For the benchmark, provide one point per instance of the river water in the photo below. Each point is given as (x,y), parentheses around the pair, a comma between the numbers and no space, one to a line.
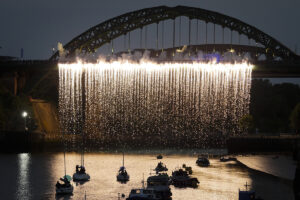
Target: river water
(33,176)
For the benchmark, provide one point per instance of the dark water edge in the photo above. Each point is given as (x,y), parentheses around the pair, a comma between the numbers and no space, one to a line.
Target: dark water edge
(24,142)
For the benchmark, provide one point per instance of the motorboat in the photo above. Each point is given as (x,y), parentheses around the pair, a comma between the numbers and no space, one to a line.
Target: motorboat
(161,167)
(80,174)
(64,186)
(188,169)
(122,175)
(202,161)
(144,194)
(180,178)
(227,159)
(160,178)
(248,194)
(160,183)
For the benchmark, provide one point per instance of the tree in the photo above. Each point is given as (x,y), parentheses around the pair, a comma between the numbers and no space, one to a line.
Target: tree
(295,118)
(247,123)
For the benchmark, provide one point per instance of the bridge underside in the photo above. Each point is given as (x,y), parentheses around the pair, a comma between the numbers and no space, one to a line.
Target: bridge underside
(191,52)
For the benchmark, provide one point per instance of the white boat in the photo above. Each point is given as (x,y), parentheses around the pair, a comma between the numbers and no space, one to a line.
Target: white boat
(80,174)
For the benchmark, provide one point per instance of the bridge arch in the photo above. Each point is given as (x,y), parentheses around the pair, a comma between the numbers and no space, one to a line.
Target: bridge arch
(106,31)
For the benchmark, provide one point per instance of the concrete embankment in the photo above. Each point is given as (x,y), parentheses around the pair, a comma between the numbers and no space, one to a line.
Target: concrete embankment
(280,166)
(46,117)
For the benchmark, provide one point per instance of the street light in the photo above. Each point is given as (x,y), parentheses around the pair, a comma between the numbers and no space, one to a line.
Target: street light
(24,115)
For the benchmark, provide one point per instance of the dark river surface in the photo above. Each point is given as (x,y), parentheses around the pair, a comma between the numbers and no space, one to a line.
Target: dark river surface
(33,176)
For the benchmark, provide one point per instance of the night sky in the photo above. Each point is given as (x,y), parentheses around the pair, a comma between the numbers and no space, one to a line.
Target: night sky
(37,25)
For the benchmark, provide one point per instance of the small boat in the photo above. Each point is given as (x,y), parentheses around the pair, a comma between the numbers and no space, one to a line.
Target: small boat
(202,161)
(159,179)
(180,178)
(159,156)
(63,186)
(80,174)
(144,194)
(122,175)
(227,159)
(248,195)
(161,167)
(160,183)
(188,169)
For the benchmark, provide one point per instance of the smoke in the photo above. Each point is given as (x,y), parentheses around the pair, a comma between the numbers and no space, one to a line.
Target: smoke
(179,55)
(61,50)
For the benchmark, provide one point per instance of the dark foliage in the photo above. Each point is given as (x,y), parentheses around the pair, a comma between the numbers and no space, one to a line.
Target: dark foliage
(271,105)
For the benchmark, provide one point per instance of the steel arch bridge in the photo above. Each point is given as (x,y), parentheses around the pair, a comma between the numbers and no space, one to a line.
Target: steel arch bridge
(105,32)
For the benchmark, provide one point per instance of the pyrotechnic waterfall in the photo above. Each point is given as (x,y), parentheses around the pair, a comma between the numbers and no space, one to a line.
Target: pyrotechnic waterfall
(157,104)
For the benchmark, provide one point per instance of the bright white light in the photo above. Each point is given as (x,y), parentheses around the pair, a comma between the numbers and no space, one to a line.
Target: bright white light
(24,114)
(152,66)
(215,93)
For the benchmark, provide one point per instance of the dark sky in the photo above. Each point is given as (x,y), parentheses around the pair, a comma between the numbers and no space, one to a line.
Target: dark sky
(37,25)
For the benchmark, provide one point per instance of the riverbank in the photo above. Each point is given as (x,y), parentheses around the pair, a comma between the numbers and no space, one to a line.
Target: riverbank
(262,143)
(281,166)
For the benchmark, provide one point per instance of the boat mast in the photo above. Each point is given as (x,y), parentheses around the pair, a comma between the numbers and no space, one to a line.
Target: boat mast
(65,161)
(123,158)
(143,182)
(83,92)
(64,143)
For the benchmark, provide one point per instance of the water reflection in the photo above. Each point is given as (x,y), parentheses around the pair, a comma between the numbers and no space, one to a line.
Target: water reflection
(23,184)
(33,176)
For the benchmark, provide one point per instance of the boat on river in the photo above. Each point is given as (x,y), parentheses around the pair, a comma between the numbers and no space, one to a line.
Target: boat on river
(64,186)
(161,167)
(160,183)
(80,174)
(181,178)
(227,159)
(122,175)
(202,161)
(144,194)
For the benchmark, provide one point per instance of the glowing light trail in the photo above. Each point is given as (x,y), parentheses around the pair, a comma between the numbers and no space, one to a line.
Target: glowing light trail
(155,103)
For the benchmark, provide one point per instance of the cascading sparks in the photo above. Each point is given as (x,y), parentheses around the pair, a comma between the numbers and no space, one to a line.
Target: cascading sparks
(186,104)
